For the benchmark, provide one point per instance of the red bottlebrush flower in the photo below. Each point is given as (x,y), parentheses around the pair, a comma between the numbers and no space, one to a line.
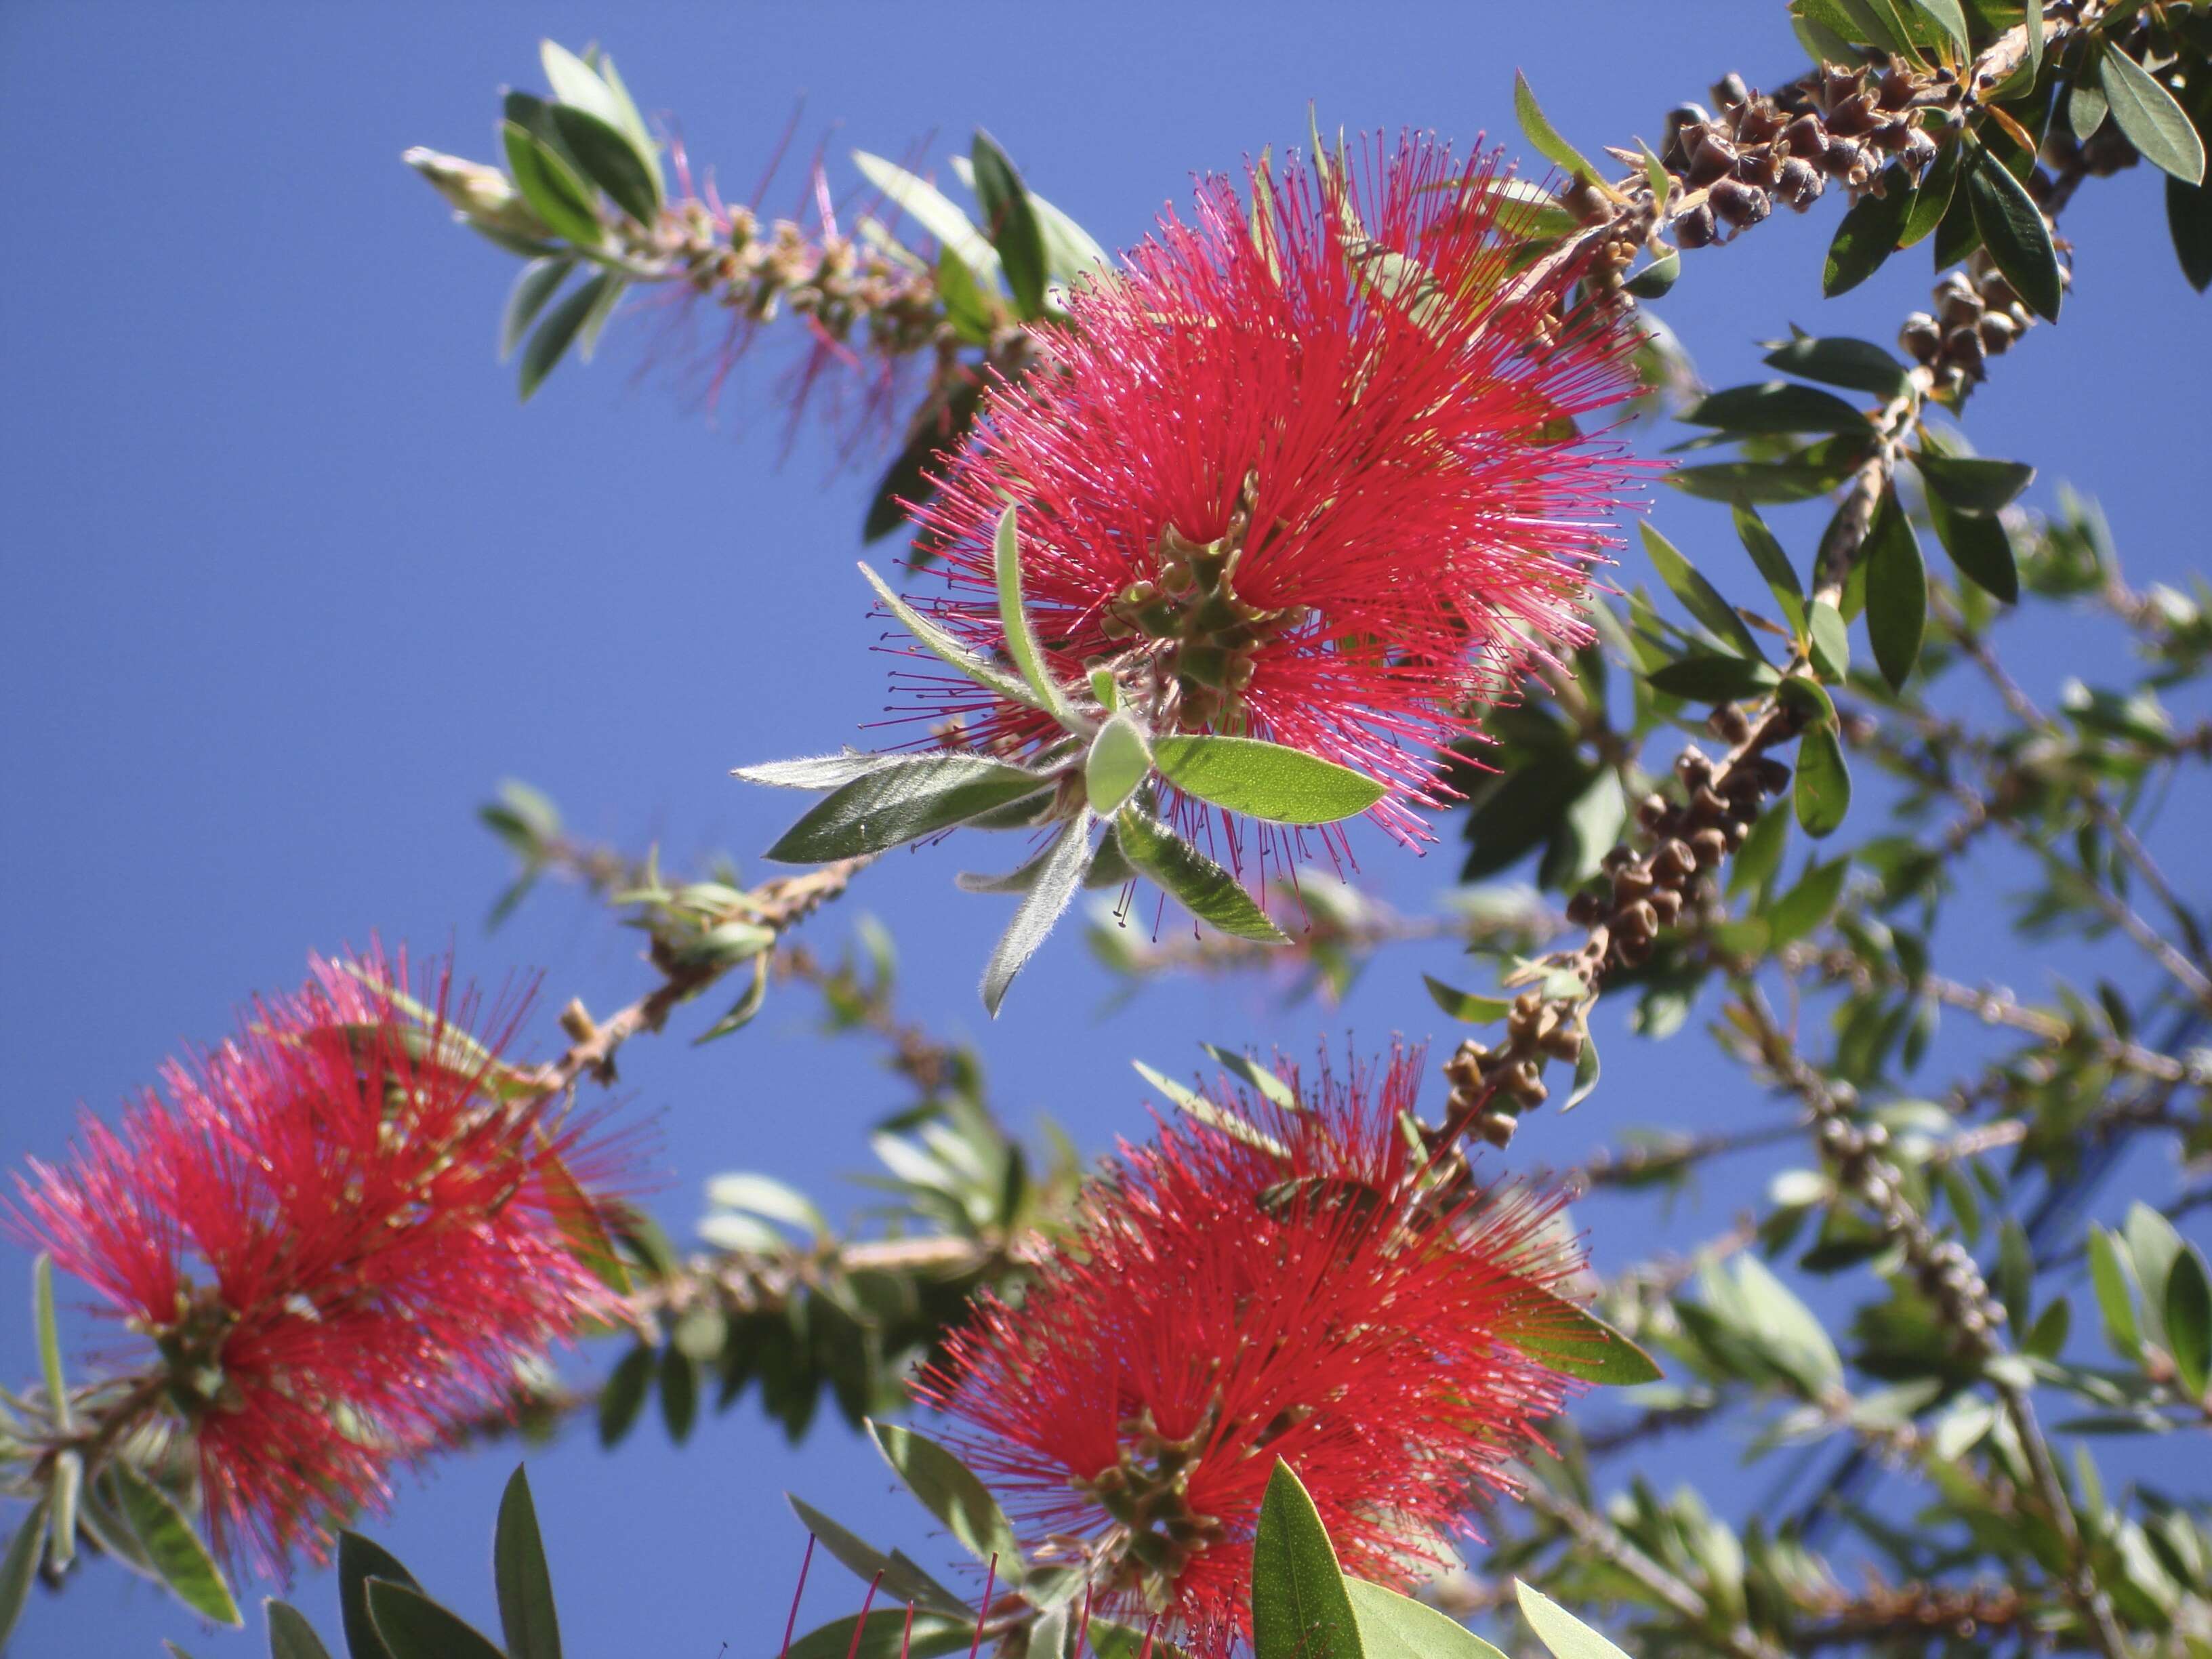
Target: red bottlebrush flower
(340,1238)
(1222,1303)
(1304,472)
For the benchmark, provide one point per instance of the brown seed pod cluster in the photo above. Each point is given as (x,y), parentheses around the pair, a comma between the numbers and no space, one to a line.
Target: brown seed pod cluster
(1977,317)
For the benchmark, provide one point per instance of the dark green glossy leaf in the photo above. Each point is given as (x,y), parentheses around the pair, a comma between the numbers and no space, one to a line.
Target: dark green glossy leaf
(900,1578)
(623,1396)
(552,338)
(2013,229)
(1194,880)
(2189,1321)
(1011,221)
(1760,856)
(1831,641)
(1699,597)
(2153,123)
(526,1617)
(1543,135)
(551,187)
(1395,1627)
(1059,876)
(1869,234)
(361,1559)
(1570,1338)
(172,1548)
(1776,406)
(1897,591)
(532,288)
(1972,482)
(1705,677)
(1463,1006)
(949,1490)
(2189,220)
(898,805)
(290,1635)
(19,1567)
(1979,545)
(1838,361)
(1823,791)
(679,1392)
(1932,200)
(1773,564)
(1300,1609)
(1792,478)
(413,1627)
(941,429)
(1269,781)
(611,162)
(1805,906)
(886,1637)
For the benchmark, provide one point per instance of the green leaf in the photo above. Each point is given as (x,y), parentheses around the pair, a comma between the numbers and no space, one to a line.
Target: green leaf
(949,650)
(1300,1607)
(1773,564)
(1463,1006)
(1013,614)
(1897,591)
(1809,903)
(360,1560)
(952,1493)
(2189,220)
(2114,1282)
(559,329)
(1979,545)
(537,285)
(623,1395)
(2013,229)
(1792,478)
(1950,17)
(1649,284)
(526,1617)
(576,82)
(1395,1627)
(1699,597)
(1972,482)
(2189,1321)
(1572,1339)
(934,210)
(172,1548)
(900,804)
(1119,759)
(1586,1073)
(1059,876)
(413,1627)
(1823,791)
(1776,406)
(1932,200)
(1543,135)
(886,1637)
(551,187)
(290,1635)
(1256,1076)
(1869,233)
(1566,1636)
(611,162)
(1011,221)
(679,1392)
(1838,361)
(50,1341)
(816,771)
(19,1567)
(1831,641)
(1707,677)
(901,1577)
(1194,880)
(2155,123)
(1267,781)
(1760,856)
(1070,251)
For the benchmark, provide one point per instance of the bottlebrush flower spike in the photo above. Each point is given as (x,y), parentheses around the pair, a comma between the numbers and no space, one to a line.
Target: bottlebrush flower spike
(339,1237)
(1306,472)
(1266,1283)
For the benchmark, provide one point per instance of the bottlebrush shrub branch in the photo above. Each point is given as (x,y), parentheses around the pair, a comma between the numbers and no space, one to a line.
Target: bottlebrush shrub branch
(1295,492)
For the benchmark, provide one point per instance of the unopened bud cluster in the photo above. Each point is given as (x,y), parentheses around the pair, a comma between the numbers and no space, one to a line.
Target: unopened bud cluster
(1638,894)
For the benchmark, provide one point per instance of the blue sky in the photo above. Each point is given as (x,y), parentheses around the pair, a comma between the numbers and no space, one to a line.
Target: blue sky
(292,582)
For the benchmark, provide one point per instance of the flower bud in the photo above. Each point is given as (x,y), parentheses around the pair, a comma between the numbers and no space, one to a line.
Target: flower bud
(481,194)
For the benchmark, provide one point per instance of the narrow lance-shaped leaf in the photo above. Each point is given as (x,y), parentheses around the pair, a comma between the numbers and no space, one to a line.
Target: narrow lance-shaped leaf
(1461,1004)
(900,804)
(1543,135)
(550,186)
(1839,361)
(553,337)
(526,1616)
(1572,1339)
(1897,591)
(942,645)
(50,1341)
(2153,123)
(1701,598)
(1011,223)
(1013,614)
(2014,230)
(2189,1321)
(361,1559)
(1766,553)
(1300,1609)
(18,1567)
(934,210)
(1869,234)
(1047,901)
(290,1635)
(1395,1627)
(174,1547)
(1979,545)
(1566,1636)
(611,162)
(413,1627)
(1267,781)
(532,288)
(1194,880)
(951,1491)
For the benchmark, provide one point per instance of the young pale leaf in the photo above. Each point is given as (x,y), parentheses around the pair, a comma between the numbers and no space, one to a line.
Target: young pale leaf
(1059,876)
(551,187)
(1013,614)
(17,1569)
(1573,1340)
(532,288)
(553,337)
(1119,759)
(1194,880)
(1462,1004)
(1829,640)
(1395,1627)
(1300,1607)
(1699,597)
(576,82)
(1543,135)
(2013,229)
(413,1627)
(1566,1636)
(526,1617)
(1979,545)
(2153,123)
(361,1560)
(891,807)
(2189,1321)
(1823,791)
(611,162)
(817,771)
(1267,781)
(1869,234)
(1009,220)
(1972,482)
(989,675)
(50,1341)
(934,210)
(2113,1279)
(1256,1076)
(290,1635)
(1897,591)
(174,1547)
(1837,360)
(1776,406)
(1205,1111)
(952,1493)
